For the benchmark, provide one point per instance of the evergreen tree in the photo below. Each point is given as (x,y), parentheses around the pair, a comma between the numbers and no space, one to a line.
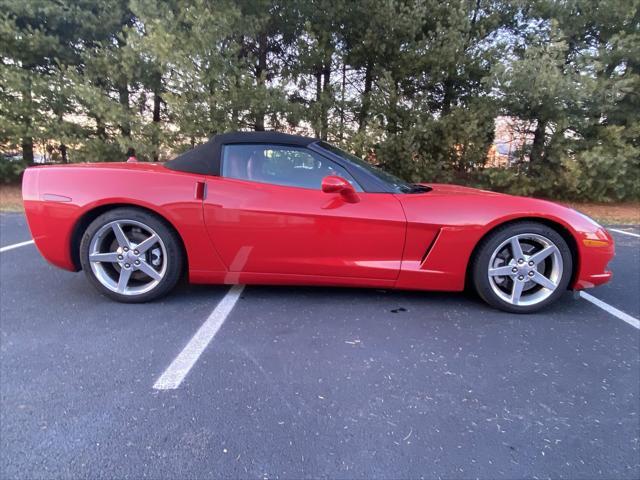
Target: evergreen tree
(414,85)
(36,37)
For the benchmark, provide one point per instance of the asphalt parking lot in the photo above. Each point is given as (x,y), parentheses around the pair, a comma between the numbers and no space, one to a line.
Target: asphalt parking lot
(314,382)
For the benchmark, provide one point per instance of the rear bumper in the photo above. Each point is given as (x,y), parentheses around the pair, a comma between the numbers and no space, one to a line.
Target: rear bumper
(50,222)
(51,227)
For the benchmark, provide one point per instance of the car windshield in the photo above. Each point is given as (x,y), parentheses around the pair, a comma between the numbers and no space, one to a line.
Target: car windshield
(397,184)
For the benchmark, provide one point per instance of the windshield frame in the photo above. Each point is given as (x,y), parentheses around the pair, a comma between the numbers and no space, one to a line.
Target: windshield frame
(386,182)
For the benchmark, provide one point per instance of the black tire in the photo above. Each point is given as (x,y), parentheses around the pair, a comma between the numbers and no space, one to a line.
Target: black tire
(487,247)
(174,257)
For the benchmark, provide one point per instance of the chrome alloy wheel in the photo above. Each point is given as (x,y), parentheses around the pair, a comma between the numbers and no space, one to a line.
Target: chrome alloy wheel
(525,269)
(128,257)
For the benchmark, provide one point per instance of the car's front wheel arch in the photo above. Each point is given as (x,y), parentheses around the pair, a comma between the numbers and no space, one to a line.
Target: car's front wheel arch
(558,227)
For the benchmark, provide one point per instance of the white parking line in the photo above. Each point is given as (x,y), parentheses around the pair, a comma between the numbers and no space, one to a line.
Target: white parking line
(634,322)
(186,359)
(623,232)
(15,245)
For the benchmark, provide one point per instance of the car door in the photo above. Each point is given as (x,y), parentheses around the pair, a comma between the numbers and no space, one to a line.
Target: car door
(266,213)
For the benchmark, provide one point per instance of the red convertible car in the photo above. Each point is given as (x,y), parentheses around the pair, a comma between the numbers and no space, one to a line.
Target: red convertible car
(270,208)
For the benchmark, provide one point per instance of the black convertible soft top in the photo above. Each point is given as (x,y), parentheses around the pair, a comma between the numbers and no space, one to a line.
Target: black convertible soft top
(205,159)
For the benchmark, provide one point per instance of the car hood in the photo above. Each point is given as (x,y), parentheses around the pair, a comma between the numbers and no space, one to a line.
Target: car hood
(457,190)
(455,205)
(475,199)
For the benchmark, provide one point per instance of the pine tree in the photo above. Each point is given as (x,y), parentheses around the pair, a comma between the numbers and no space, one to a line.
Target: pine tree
(36,37)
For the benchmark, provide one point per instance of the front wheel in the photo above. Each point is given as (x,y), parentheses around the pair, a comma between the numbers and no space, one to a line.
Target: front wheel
(522,267)
(131,255)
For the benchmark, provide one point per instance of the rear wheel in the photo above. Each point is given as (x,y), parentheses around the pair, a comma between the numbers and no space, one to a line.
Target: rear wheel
(131,255)
(522,267)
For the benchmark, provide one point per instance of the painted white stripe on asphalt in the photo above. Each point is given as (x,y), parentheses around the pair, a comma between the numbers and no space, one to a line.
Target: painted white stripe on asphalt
(634,322)
(180,367)
(622,231)
(15,245)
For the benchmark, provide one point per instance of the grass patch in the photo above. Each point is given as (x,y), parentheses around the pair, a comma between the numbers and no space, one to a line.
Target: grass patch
(11,198)
(611,213)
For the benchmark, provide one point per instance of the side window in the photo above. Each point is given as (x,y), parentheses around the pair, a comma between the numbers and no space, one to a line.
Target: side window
(280,165)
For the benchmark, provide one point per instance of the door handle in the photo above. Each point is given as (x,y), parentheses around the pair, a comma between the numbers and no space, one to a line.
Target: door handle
(201,191)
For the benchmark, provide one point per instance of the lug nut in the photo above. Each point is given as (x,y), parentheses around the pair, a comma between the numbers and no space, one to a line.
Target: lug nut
(137,262)
(127,265)
(120,257)
(514,270)
(521,260)
(136,252)
(126,249)
(531,264)
(531,274)
(521,277)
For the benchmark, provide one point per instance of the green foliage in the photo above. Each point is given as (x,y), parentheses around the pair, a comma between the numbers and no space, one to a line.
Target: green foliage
(11,171)
(98,150)
(610,170)
(415,85)
(575,77)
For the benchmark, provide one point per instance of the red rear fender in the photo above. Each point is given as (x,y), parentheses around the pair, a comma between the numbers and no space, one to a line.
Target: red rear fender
(61,201)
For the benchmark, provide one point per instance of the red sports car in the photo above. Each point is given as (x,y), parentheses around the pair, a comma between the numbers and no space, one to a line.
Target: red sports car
(270,208)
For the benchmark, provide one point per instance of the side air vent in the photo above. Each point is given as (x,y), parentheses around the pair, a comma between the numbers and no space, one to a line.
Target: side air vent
(430,246)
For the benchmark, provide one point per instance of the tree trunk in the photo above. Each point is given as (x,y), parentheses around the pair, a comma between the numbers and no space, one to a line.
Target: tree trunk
(101,129)
(344,84)
(365,102)
(392,125)
(259,125)
(448,95)
(63,153)
(261,71)
(537,147)
(123,95)
(27,140)
(324,105)
(27,149)
(235,113)
(318,74)
(157,99)
(213,112)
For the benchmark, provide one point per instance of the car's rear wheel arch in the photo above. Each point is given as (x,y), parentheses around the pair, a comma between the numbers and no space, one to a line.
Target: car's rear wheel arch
(559,228)
(83,223)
